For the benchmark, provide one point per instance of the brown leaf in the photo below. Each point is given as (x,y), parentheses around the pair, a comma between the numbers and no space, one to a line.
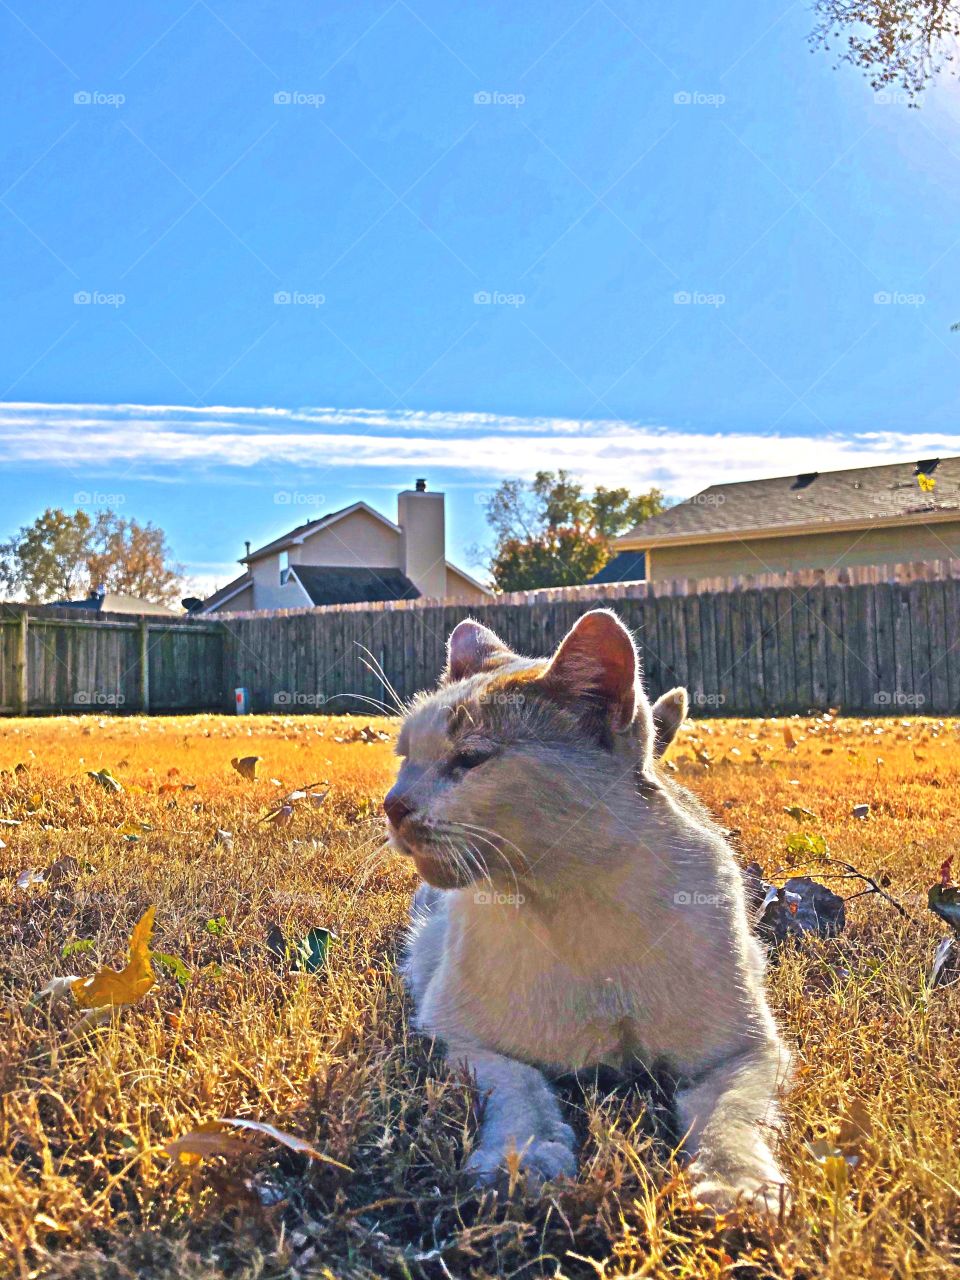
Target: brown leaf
(247,766)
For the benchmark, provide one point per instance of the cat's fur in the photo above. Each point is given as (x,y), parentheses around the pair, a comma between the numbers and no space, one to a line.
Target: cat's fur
(580,909)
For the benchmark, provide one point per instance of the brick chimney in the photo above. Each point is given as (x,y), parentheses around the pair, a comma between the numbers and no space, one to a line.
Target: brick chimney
(422,522)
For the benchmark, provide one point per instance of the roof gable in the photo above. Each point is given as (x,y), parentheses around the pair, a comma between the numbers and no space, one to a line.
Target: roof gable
(304,531)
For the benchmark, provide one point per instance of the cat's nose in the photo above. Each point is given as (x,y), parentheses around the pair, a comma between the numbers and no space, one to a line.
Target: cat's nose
(396,807)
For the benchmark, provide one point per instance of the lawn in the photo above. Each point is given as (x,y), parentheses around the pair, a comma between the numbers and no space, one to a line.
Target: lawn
(249,1017)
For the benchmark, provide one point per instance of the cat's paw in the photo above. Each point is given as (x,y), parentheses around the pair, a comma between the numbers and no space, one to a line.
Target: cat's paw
(541,1160)
(749,1195)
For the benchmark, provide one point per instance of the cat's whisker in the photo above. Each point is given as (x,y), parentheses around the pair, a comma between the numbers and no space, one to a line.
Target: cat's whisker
(489,831)
(376,667)
(378,705)
(503,856)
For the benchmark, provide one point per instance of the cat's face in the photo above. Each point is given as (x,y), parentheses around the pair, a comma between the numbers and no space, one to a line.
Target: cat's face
(508,768)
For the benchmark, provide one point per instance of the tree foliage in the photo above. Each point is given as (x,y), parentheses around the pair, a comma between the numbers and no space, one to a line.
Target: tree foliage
(549,533)
(894,42)
(64,555)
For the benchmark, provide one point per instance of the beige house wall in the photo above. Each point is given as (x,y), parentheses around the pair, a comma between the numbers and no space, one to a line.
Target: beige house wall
(357,539)
(904,545)
(461,588)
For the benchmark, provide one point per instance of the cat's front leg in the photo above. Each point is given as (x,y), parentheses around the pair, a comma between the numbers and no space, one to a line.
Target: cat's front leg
(725,1113)
(521,1114)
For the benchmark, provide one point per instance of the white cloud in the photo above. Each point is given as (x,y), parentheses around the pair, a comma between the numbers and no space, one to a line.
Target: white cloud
(149,439)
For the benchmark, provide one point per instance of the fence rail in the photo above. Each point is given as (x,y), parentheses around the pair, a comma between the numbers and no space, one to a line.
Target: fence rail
(770,646)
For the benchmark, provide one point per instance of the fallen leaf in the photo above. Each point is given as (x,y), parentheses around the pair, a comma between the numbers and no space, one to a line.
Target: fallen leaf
(798,812)
(280,816)
(62,869)
(287,1139)
(209,1139)
(856,1127)
(129,985)
(75,948)
(310,955)
(215,1138)
(174,966)
(105,778)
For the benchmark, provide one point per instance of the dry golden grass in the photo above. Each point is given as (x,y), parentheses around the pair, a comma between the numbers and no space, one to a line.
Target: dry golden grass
(86,1192)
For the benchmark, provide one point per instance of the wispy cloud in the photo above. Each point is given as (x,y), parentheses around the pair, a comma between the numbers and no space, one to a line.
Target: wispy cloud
(153,440)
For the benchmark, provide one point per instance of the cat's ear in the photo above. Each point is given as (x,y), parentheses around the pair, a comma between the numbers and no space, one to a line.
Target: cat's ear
(597,660)
(472,647)
(669,712)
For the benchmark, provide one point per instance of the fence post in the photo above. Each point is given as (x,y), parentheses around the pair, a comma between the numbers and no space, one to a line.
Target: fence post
(20,668)
(144,665)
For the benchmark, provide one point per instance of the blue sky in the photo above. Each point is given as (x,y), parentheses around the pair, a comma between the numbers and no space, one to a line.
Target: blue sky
(655,244)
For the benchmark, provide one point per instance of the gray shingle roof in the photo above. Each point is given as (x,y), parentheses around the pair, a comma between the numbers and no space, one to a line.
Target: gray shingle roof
(830,497)
(331,584)
(627,566)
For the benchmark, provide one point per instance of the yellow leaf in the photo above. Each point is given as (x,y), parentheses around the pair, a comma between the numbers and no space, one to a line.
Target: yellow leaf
(216,1138)
(279,816)
(836,1174)
(247,766)
(926,483)
(209,1139)
(130,984)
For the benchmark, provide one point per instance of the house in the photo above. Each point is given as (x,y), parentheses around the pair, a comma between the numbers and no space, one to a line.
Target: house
(101,601)
(352,555)
(900,513)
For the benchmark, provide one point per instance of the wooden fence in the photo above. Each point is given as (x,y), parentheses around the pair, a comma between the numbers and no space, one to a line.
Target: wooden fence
(866,642)
(808,640)
(63,660)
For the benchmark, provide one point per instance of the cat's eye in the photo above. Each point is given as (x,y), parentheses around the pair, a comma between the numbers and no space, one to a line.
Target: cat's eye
(470,757)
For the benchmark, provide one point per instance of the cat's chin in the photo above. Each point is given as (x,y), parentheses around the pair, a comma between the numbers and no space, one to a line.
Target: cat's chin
(440,874)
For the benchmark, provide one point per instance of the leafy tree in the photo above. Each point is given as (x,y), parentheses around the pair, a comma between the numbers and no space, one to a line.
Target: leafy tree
(63,555)
(132,559)
(549,533)
(47,560)
(903,42)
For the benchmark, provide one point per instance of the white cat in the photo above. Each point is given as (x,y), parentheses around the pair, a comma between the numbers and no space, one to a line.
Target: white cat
(580,908)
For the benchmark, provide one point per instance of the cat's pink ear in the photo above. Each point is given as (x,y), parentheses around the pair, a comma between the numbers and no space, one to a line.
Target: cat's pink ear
(472,647)
(597,660)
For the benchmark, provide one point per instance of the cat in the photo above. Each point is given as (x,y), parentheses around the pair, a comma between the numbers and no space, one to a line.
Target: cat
(579,909)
